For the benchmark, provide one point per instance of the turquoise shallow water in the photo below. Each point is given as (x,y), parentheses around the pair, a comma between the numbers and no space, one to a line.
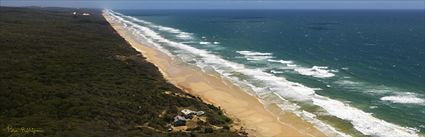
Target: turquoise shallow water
(360,72)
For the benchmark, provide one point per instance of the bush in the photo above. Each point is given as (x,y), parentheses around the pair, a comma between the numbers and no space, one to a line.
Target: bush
(60,73)
(208,130)
(226,127)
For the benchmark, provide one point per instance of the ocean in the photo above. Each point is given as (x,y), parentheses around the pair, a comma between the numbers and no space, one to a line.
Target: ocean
(349,72)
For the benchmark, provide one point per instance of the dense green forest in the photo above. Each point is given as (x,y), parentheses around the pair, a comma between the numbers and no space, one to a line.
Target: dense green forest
(68,75)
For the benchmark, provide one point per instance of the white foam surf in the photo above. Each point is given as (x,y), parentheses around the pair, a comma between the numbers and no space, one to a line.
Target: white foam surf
(204,43)
(406,98)
(184,36)
(253,53)
(315,71)
(263,83)
(276,72)
(388,94)
(362,121)
(179,34)
(281,61)
(258,57)
(255,56)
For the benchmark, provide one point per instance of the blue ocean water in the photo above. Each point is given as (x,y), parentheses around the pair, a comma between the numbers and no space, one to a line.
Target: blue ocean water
(352,72)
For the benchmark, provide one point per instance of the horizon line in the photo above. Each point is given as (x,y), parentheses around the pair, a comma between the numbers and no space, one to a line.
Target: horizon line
(218,8)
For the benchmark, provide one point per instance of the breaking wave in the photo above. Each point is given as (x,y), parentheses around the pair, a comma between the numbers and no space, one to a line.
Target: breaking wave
(315,71)
(408,98)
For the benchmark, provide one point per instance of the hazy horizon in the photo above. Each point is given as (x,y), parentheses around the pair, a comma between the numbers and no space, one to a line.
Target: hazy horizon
(224,4)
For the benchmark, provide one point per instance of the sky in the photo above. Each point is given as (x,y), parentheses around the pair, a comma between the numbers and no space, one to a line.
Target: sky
(223,4)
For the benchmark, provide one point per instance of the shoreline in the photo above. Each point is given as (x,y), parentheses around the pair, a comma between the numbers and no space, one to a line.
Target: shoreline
(246,110)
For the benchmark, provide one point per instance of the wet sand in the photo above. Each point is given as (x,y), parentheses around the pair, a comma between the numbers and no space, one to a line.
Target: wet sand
(244,109)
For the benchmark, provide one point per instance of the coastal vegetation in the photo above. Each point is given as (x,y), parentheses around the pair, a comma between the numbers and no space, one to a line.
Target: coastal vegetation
(71,75)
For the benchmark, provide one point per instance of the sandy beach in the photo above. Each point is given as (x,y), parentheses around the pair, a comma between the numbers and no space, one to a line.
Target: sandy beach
(245,109)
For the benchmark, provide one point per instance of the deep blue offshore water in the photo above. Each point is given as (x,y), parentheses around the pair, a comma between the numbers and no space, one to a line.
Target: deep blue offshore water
(364,68)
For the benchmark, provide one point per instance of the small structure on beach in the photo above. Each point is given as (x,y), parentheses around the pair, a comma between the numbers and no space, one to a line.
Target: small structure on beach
(179,121)
(179,117)
(187,114)
(186,111)
(200,113)
(190,112)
